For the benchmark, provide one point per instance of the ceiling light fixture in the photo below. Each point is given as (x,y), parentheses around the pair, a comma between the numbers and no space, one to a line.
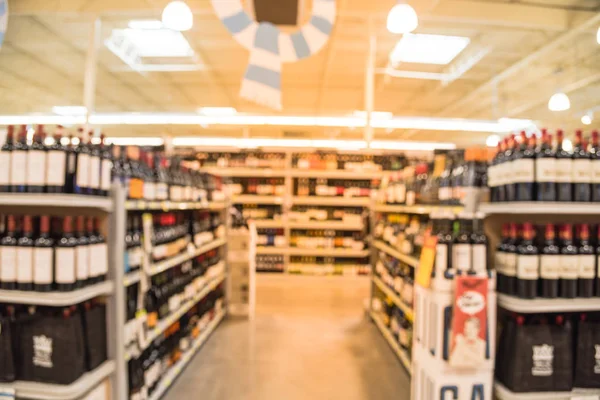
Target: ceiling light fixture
(428,49)
(559,102)
(492,141)
(402,18)
(217,111)
(587,119)
(70,110)
(178,16)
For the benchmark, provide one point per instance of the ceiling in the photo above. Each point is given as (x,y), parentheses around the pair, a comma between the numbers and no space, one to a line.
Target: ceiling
(532,48)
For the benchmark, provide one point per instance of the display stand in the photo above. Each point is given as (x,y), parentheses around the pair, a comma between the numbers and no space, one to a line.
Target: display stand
(241,256)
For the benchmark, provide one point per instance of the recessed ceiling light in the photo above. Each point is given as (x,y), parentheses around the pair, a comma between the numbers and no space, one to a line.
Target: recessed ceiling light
(217,111)
(178,16)
(70,110)
(559,102)
(428,49)
(587,119)
(145,24)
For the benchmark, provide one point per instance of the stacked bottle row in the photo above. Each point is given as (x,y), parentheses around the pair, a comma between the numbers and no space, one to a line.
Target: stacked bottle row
(397,276)
(270,237)
(334,161)
(395,320)
(259,211)
(332,187)
(269,263)
(402,232)
(43,253)
(327,239)
(243,159)
(329,266)
(523,170)
(256,186)
(350,215)
(533,261)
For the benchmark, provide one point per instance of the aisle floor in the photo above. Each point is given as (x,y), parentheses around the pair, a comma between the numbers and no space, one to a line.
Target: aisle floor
(310,339)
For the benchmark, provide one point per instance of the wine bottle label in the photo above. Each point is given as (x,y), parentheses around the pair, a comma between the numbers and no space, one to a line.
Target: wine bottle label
(82,258)
(582,171)
(64,265)
(509,172)
(445,193)
(149,190)
(25,264)
(8,264)
(36,167)
(480,257)
(491,176)
(83,171)
(524,170)
(55,173)
(162,191)
(510,264)
(42,265)
(596,171)
(106,174)
(549,266)
(410,198)
(4,168)
(587,266)
(545,170)
(499,172)
(441,258)
(461,257)
(400,193)
(569,266)
(564,170)
(94,180)
(499,262)
(18,167)
(528,266)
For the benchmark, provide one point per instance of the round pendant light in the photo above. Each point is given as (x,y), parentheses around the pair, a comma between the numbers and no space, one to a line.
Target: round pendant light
(559,102)
(177,16)
(587,119)
(402,19)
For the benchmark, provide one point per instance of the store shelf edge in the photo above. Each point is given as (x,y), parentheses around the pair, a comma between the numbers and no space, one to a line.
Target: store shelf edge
(181,258)
(413,262)
(530,306)
(392,342)
(142,205)
(56,299)
(566,208)
(419,209)
(502,393)
(55,200)
(395,298)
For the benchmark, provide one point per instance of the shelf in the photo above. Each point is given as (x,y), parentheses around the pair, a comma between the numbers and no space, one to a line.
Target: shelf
(404,359)
(131,278)
(74,391)
(56,299)
(55,200)
(335,174)
(347,253)
(248,172)
(332,201)
(172,374)
(539,207)
(271,250)
(425,210)
(532,306)
(216,205)
(407,310)
(181,258)
(269,223)
(255,199)
(330,225)
(413,262)
(165,205)
(502,393)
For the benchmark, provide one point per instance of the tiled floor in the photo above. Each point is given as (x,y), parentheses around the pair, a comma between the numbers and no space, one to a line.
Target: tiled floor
(310,340)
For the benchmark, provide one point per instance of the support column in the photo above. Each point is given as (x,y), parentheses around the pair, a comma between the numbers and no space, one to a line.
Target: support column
(370,83)
(91,61)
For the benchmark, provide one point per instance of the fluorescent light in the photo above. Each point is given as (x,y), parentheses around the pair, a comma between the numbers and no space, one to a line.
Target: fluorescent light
(492,141)
(217,111)
(178,16)
(426,146)
(587,119)
(559,102)
(402,18)
(428,49)
(135,141)
(145,24)
(157,42)
(70,110)
(374,114)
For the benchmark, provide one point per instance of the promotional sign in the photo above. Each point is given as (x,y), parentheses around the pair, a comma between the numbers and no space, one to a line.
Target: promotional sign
(468,344)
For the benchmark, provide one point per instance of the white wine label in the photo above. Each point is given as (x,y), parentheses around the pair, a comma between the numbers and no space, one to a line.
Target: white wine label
(149,190)
(596,171)
(25,263)
(528,267)
(524,170)
(8,264)
(4,168)
(103,257)
(106,174)
(461,257)
(94,180)
(491,176)
(55,172)
(564,170)
(162,191)
(36,167)
(479,257)
(499,262)
(510,264)
(500,173)
(549,266)
(569,266)
(582,171)
(64,265)
(509,172)
(400,193)
(42,265)
(545,170)
(18,167)
(83,262)
(587,266)
(441,258)
(445,193)
(83,170)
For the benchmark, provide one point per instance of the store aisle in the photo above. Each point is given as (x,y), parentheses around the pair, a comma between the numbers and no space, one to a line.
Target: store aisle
(310,340)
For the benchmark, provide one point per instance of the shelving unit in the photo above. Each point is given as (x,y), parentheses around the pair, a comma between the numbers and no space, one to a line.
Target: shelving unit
(539,207)
(402,209)
(56,201)
(57,299)
(409,260)
(330,225)
(395,298)
(502,393)
(401,353)
(337,201)
(256,199)
(532,306)
(181,258)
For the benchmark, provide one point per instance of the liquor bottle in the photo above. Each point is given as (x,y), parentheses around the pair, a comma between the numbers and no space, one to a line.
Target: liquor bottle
(479,245)
(568,264)
(64,257)
(528,264)
(5,160)
(36,163)
(526,169)
(510,261)
(587,263)
(595,156)
(461,244)
(582,170)
(43,258)
(71,167)
(549,264)
(82,254)
(106,166)
(18,164)
(25,256)
(56,165)
(8,255)
(95,165)
(499,259)
(82,170)
(564,170)
(509,171)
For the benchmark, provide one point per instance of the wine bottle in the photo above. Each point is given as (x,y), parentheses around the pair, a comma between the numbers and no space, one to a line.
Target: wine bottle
(598,262)
(568,264)
(18,164)
(162,179)
(500,259)
(582,170)
(461,245)
(549,264)
(149,178)
(71,168)
(25,256)
(5,160)
(57,164)
(595,156)
(82,254)
(8,255)
(82,172)
(527,264)
(545,169)
(479,245)
(492,173)
(36,163)
(526,169)
(564,170)
(510,261)
(98,251)
(95,165)
(106,167)
(443,261)
(43,258)
(64,257)
(586,255)
(510,155)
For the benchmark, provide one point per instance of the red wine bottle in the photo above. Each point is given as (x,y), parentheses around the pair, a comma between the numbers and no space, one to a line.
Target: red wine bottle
(82,170)
(25,256)
(36,163)
(57,164)
(582,170)
(510,263)
(102,251)
(500,173)
(549,264)
(64,257)
(587,263)
(526,169)
(106,167)
(568,264)
(18,164)
(71,168)
(598,262)
(95,164)
(528,264)
(510,155)
(5,160)
(499,259)
(479,245)
(564,170)
(461,245)
(595,156)
(43,258)
(82,254)
(8,255)
(545,169)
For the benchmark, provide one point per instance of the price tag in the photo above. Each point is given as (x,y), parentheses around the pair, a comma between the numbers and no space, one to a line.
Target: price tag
(426,262)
